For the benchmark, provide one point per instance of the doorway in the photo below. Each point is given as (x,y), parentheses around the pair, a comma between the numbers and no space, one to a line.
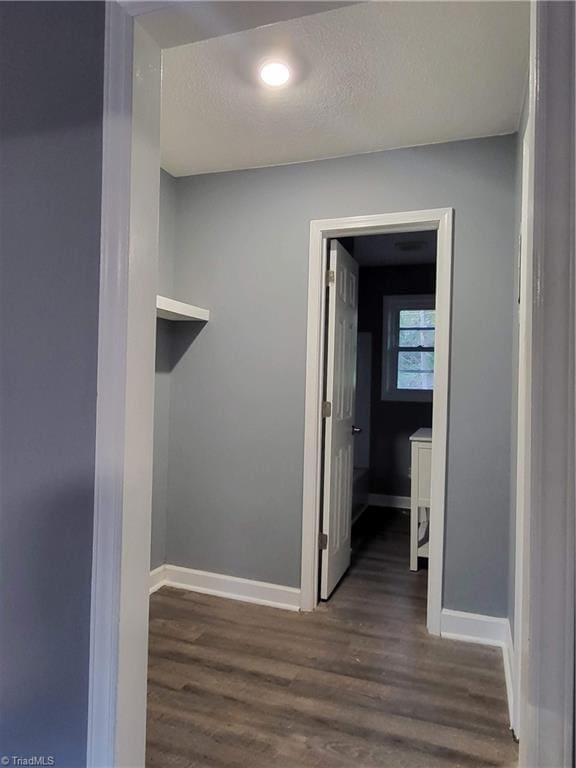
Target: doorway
(379,378)
(329,423)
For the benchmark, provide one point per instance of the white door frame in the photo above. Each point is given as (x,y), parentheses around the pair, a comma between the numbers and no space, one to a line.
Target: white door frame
(546,650)
(524,391)
(523,437)
(116,729)
(440,220)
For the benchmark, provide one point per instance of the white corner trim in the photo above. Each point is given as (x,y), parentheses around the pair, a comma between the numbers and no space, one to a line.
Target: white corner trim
(141,7)
(473,627)
(484,630)
(105,611)
(231,587)
(510,674)
(157,578)
(384,500)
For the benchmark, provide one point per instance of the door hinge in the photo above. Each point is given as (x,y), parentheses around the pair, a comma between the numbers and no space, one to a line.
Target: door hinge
(322,541)
(330,277)
(326,409)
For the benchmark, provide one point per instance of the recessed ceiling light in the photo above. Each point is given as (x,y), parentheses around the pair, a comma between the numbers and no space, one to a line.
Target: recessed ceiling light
(275,74)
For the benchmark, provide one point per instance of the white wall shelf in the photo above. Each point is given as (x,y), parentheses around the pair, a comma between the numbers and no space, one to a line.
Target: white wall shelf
(170,309)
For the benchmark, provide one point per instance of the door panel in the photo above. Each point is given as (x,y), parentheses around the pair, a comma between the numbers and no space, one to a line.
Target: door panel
(338,438)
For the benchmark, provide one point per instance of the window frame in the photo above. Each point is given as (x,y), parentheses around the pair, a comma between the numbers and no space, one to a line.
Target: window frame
(392,305)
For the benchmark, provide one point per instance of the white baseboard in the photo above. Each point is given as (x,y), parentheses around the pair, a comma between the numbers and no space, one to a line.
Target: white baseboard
(384,500)
(157,578)
(509,671)
(485,630)
(231,587)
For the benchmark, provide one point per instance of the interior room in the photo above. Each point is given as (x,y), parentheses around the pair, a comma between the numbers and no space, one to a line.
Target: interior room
(203,561)
(394,382)
(256,581)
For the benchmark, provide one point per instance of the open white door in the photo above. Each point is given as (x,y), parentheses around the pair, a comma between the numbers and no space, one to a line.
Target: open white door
(339,425)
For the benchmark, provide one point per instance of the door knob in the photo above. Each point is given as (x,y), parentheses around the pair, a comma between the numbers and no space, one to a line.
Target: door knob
(356,430)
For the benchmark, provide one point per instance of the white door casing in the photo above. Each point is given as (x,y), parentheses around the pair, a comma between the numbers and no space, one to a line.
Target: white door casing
(338,434)
(125,426)
(321,232)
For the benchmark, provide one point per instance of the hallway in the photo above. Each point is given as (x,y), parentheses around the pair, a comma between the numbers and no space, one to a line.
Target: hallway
(357,683)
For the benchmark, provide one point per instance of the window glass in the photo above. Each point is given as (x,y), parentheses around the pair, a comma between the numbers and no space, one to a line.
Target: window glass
(415,370)
(416,338)
(415,381)
(408,353)
(417,318)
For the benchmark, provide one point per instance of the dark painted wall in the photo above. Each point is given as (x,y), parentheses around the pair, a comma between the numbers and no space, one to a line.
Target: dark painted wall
(51,78)
(392,422)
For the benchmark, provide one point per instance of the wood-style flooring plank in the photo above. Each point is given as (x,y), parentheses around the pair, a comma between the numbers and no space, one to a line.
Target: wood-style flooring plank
(358,683)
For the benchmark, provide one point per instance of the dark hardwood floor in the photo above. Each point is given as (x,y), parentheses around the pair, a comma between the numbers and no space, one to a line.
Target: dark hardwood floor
(359,683)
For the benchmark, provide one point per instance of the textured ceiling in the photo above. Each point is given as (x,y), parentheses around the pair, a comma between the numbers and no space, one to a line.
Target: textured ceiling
(367,77)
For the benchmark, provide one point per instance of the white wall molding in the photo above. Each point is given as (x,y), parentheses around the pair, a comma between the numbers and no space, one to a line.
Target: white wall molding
(138,441)
(548,573)
(524,386)
(484,630)
(105,619)
(231,587)
(141,7)
(158,578)
(508,655)
(385,500)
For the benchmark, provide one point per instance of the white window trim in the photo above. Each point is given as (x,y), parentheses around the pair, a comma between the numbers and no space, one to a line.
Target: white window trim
(390,306)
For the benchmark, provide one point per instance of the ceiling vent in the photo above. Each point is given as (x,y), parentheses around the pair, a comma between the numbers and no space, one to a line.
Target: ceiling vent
(409,246)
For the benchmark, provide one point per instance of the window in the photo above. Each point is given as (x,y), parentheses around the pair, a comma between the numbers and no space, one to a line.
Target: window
(408,348)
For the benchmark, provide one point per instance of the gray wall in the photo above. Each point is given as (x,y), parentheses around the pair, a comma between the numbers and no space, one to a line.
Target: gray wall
(168,203)
(237,416)
(51,63)
(161,442)
(167,234)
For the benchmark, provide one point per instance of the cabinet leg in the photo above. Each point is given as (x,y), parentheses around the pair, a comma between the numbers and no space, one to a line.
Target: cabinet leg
(413,537)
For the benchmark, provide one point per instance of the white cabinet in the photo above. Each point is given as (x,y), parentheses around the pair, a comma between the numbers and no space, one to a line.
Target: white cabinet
(421,452)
